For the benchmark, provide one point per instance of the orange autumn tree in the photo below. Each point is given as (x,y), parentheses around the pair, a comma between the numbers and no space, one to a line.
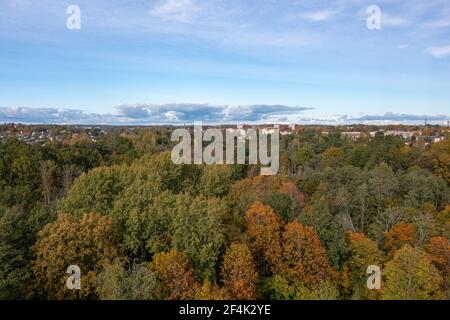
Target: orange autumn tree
(176,275)
(303,257)
(399,235)
(439,250)
(244,193)
(290,189)
(263,228)
(239,273)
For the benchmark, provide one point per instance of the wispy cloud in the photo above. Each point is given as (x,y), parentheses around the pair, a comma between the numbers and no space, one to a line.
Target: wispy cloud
(439,52)
(443,21)
(176,10)
(321,15)
(400,117)
(388,20)
(52,116)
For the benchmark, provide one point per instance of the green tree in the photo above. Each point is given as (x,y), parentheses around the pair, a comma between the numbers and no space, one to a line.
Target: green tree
(332,157)
(383,185)
(359,155)
(14,269)
(216,180)
(283,205)
(95,191)
(198,231)
(330,230)
(421,186)
(138,283)
(303,155)
(132,210)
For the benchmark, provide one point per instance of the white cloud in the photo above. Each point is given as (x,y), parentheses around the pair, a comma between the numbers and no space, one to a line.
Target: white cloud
(322,15)
(170,113)
(388,20)
(176,10)
(53,115)
(442,22)
(135,111)
(179,113)
(411,118)
(439,52)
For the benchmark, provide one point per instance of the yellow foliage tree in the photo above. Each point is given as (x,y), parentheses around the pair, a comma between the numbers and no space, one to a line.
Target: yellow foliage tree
(239,273)
(410,275)
(176,275)
(89,242)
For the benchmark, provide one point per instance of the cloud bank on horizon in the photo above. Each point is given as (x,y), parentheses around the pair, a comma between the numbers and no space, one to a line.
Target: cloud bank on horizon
(185,113)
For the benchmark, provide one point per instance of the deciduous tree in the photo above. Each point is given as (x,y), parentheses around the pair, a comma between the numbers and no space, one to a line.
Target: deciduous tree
(216,180)
(239,274)
(263,228)
(364,252)
(398,236)
(410,275)
(176,275)
(330,230)
(439,250)
(89,242)
(303,256)
(139,283)
(198,231)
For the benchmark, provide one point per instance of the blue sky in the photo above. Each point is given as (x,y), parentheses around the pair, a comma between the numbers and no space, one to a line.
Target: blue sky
(224,60)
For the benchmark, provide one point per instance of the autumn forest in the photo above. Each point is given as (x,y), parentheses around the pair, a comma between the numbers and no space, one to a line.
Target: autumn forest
(140,227)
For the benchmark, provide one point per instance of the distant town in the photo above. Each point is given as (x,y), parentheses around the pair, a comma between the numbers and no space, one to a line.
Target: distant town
(42,134)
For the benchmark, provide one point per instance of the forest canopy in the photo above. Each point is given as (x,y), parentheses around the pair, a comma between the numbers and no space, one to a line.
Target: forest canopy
(141,227)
